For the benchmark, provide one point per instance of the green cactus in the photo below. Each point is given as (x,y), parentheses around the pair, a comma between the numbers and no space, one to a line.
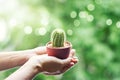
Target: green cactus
(58,38)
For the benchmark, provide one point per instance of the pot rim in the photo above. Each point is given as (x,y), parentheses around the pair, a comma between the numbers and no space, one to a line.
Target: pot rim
(69,45)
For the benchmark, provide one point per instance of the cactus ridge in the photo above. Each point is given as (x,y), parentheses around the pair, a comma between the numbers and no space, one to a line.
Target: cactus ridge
(58,38)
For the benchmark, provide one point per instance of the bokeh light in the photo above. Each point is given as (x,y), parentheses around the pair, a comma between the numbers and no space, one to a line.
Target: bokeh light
(3,30)
(76,22)
(90,18)
(28,29)
(42,31)
(73,14)
(118,24)
(91,7)
(109,21)
(83,14)
(13,22)
(69,32)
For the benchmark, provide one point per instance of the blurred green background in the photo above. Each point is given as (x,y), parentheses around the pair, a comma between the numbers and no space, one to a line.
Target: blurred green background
(92,26)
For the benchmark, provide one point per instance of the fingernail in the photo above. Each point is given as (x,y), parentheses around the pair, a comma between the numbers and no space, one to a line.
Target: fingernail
(75,60)
(72,63)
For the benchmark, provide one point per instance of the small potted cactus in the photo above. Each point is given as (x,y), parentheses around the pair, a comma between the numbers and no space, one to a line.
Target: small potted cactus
(58,46)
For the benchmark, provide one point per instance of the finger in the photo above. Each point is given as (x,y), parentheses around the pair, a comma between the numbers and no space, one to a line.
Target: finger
(66,61)
(72,63)
(67,67)
(75,59)
(72,53)
(69,60)
(40,50)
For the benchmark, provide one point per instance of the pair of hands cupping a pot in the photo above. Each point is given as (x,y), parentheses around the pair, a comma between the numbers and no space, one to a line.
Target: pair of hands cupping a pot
(37,61)
(60,48)
(56,58)
(51,65)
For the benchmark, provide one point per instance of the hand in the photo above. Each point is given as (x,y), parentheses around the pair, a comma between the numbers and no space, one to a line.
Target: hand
(40,50)
(34,52)
(51,65)
(43,64)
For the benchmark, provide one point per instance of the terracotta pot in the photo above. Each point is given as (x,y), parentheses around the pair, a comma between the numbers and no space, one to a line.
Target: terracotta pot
(59,52)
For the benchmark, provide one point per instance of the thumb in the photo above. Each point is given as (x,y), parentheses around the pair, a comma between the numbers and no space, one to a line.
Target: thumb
(40,50)
(72,53)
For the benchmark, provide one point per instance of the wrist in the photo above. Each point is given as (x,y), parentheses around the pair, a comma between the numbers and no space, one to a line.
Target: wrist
(30,53)
(25,56)
(26,72)
(35,64)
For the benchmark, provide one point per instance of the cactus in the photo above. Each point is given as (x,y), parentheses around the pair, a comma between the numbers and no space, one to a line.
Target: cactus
(58,38)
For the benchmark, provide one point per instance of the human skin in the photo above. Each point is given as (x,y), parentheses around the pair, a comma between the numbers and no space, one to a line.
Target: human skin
(17,58)
(34,61)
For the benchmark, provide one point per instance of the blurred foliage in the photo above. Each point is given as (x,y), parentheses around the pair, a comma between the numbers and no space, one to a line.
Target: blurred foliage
(92,26)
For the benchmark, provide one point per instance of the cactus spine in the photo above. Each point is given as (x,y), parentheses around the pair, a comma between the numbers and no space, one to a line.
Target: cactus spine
(58,38)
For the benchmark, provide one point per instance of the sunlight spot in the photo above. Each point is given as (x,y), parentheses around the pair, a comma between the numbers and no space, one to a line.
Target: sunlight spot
(76,22)
(12,22)
(42,31)
(108,21)
(90,18)
(28,30)
(69,32)
(73,14)
(3,30)
(91,7)
(118,24)
(83,14)
(44,21)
